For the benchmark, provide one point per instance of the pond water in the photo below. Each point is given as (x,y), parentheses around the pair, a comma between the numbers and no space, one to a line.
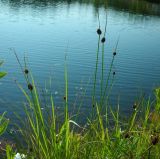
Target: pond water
(48,31)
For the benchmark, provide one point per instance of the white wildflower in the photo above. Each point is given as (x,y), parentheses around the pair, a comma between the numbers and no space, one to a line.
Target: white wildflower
(19,156)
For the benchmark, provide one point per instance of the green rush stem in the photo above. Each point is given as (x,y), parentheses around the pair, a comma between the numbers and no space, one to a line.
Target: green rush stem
(149,152)
(80,105)
(95,74)
(102,76)
(107,81)
(109,92)
(25,76)
(95,78)
(66,110)
(66,84)
(32,94)
(66,87)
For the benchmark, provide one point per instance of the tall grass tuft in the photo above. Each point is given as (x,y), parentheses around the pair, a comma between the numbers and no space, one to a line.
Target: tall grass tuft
(106,136)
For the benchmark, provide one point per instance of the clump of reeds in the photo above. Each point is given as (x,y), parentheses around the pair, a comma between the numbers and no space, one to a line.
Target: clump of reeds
(104,136)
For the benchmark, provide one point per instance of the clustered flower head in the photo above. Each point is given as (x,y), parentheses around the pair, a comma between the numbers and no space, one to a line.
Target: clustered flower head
(154,139)
(30,87)
(134,105)
(19,156)
(26,71)
(114,53)
(99,32)
(103,39)
(126,136)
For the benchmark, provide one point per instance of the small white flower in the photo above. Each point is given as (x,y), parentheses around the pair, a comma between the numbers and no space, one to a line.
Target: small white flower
(121,131)
(19,156)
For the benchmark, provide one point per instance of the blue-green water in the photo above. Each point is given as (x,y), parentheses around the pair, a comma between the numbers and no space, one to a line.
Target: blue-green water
(45,31)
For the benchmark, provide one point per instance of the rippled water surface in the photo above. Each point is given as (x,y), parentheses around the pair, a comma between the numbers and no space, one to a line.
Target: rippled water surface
(48,31)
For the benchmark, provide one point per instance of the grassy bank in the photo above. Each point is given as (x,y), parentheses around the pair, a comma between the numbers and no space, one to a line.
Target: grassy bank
(105,135)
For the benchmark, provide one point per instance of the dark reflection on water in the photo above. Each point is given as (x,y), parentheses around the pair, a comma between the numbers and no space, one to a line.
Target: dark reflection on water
(144,7)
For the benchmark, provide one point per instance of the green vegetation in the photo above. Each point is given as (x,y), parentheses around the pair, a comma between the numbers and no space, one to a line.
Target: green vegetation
(2,74)
(106,134)
(144,7)
(3,121)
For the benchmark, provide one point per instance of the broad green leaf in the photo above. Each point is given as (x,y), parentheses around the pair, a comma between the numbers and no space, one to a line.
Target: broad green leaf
(2,117)
(2,74)
(3,124)
(9,152)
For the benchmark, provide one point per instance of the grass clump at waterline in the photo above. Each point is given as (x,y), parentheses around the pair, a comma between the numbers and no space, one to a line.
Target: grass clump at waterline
(104,136)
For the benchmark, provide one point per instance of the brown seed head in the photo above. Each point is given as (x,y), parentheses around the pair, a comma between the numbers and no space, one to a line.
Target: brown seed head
(99,32)
(26,71)
(64,97)
(154,140)
(134,106)
(114,54)
(30,150)
(103,39)
(126,135)
(30,87)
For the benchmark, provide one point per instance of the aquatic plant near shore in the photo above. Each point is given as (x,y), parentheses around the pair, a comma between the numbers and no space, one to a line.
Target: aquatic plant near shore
(2,74)
(105,135)
(3,121)
(46,136)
